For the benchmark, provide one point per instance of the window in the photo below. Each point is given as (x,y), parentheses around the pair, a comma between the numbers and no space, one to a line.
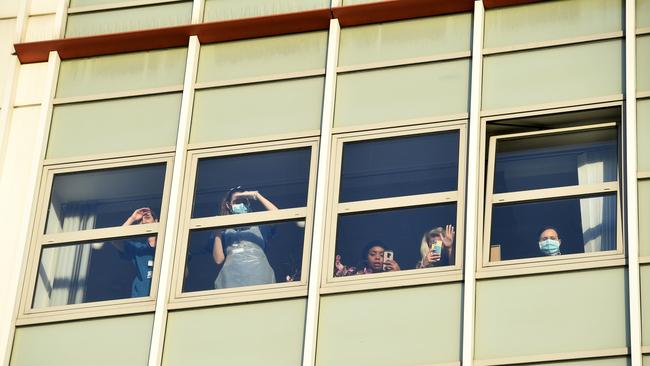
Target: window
(399,206)
(97,237)
(248,227)
(552,192)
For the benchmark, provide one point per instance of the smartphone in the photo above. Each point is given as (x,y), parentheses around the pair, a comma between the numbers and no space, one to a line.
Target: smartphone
(436,247)
(388,256)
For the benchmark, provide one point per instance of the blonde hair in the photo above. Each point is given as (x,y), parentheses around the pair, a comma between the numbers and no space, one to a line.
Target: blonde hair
(425,246)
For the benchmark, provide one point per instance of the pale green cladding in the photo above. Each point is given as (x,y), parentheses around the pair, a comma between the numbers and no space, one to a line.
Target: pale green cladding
(81,3)
(114,341)
(643,135)
(128,19)
(123,72)
(263,57)
(114,126)
(405,39)
(551,313)
(645,304)
(265,333)
(407,326)
(235,9)
(642,63)
(544,76)
(257,110)
(551,20)
(646,360)
(643,13)
(644,218)
(419,91)
(618,361)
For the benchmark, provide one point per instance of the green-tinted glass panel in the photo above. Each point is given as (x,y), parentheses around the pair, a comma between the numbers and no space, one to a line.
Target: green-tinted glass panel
(235,9)
(643,134)
(551,313)
(618,361)
(405,39)
(645,304)
(426,90)
(646,360)
(408,326)
(354,2)
(551,20)
(257,110)
(266,333)
(263,56)
(128,19)
(644,218)
(642,13)
(99,342)
(114,73)
(642,62)
(111,126)
(78,3)
(544,76)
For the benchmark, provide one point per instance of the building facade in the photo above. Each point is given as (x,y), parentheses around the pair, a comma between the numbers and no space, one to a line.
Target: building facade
(316,182)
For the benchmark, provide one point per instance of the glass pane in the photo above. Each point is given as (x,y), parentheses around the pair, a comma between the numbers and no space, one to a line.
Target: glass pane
(553,227)
(644,218)
(235,9)
(584,157)
(642,60)
(643,135)
(413,235)
(399,166)
(103,198)
(280,178)
(244,256)
(642,13)
(88,272)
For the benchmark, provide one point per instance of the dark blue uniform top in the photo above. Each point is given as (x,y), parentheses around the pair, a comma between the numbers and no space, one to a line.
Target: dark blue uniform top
(142,254)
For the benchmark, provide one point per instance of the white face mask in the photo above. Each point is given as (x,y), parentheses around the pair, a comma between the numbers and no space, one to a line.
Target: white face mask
(550,246)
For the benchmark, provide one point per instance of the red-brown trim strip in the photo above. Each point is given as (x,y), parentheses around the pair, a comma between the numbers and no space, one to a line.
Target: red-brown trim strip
(398,9)
(489,4)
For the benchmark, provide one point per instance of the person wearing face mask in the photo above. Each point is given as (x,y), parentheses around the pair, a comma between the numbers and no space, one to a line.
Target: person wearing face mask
(241,250)
(549,242)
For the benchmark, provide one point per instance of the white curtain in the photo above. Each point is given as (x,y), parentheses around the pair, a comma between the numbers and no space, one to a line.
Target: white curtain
(63,269)
(598,213)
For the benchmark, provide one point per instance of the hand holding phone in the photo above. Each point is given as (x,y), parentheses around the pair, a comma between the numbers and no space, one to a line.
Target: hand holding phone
(388,256)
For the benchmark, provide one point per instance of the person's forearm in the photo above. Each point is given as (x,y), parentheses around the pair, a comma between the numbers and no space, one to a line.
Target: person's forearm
(265,202)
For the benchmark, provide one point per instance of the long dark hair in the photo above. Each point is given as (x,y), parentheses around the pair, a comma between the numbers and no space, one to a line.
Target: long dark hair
(224,208)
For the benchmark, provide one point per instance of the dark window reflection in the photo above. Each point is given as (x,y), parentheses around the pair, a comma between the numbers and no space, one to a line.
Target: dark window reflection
(399,166)
(580,225)
(412,234)
(251,255)
(103,198)
(89,272)
(585,157)
(281,176)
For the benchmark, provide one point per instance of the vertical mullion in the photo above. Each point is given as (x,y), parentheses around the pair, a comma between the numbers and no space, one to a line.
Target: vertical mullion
(174,210)
(197,11)
(61,18)
(472,225)
(320,208)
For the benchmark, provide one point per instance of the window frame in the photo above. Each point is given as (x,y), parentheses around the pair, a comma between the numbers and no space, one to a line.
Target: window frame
(485,268)
(179,299)
(407,277)
(39,240)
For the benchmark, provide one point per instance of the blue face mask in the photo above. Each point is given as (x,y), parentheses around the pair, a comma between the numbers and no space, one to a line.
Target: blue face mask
(239,208)
(550,247)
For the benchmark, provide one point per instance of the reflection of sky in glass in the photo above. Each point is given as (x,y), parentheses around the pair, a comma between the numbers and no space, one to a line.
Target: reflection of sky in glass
(399,166)
(281,176)
(400,229)
(516,227)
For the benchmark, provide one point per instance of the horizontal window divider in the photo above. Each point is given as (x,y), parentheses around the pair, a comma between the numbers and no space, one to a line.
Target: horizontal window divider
(611,352)
(552,43)
(550,261)
(130,308)
(407,124)
(248,218)
(100,234)
(524,269)
(244,294)
(131,155)
(642,31)
(122,5)
(644,259)
(615,99)
(404,62)
(359,283)
(247,145)
(643,94)
(559,192)
(260,79)
(119,95)
(556,131)
(643,175)
(397,202)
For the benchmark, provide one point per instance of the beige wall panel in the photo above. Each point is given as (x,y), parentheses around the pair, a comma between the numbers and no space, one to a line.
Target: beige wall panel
(114,73)
(114,126)
(129,19)
(405,39)
(235,9)
(266,333)
(551,20)
(353,2)
(643,13)
(7,30)
(646,360)
(544,76)
(120,341)
(551,313)
(9,9)
(643,135)
(257,110)
(644,218)
(43,6)
(407,326)
(615,361)
(645,304)
(78,3)
(262,56)
(642,62)
(434,89)
(40,28)
(30,87)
